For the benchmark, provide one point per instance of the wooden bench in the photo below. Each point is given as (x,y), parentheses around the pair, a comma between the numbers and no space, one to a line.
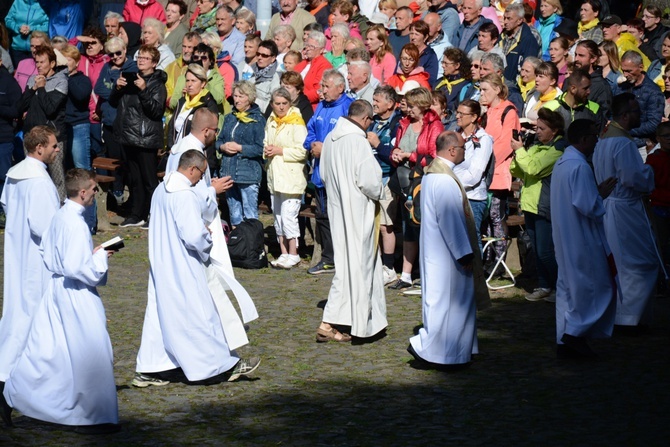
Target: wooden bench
(104,181)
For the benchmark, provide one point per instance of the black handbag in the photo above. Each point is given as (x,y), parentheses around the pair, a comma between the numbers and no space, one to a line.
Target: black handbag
(399,182)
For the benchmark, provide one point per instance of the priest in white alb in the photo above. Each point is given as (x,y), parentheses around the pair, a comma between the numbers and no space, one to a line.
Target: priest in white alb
(65,374)
(586,288)
(30,200)
(452,278)
(353,181)
(627,225)
(185,326)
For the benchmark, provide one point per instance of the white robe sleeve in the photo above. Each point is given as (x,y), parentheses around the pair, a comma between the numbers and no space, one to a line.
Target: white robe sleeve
(191,228)
(40,209)
(80,263)
(369,175)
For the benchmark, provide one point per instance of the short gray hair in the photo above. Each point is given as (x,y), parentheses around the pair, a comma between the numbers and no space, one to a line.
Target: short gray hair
(115,44)
(387,92)
(341,28)
(335,76)
(360,108)
(361,64)
(157,25)
(113,15)
(285,30)
(632,56)
(496,61)
(318,37)
(247,88)
(516,8)
(282,93)
(191,157)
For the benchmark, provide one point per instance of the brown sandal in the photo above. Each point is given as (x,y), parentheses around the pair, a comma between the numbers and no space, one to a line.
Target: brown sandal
(323,336)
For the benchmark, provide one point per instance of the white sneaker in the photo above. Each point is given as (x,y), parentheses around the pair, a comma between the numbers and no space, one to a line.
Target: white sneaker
(538,294)
(280,259)
(389,275)
(288,262)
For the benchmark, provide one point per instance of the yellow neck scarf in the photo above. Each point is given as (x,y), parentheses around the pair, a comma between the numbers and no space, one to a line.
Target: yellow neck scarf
(552,93)
(525,88)
(448,84)
(592,24)
(243,117)
(293,117)
(195,101)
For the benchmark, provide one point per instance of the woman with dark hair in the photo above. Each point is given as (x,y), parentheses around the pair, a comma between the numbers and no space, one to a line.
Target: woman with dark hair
(419,35)
(415,143)
(587,27)
(409,69)
(488,41)
(382,60)
(140,101)
(131,34)
(195,97)
(91,63)
(478,150)
(457,76)
(294,84)
(534,167)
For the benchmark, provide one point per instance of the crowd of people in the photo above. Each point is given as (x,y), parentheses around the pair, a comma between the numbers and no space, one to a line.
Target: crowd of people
(346,103)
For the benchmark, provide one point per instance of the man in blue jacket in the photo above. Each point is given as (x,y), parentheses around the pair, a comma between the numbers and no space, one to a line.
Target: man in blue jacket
(335,104)
(517,40)
(466,34)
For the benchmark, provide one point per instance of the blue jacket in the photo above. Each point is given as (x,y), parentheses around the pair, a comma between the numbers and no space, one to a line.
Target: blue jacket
(67,17)
(79,90)
(526,47)
(244,167)
(472,40)
(546,29)
(386,132)
(652,104)
(322,122)
(105,84)
(25,12)
(429,61)
(10,94)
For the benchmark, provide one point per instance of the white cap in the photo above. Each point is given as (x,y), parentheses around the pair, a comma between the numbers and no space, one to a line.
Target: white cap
(379,18)
(406,87)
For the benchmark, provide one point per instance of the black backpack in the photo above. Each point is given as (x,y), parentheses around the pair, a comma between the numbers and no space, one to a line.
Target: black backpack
(246,245)
(413,202)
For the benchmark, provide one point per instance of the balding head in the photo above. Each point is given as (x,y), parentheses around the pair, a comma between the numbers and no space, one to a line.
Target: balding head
(434,23)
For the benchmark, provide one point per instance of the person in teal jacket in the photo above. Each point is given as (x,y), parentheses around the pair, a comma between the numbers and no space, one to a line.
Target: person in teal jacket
(24,17)
(534,166)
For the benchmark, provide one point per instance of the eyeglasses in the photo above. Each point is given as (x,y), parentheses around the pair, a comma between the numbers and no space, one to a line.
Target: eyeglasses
(196,58)
(143,58)
(475,65)
(458,147)
(115,54)
(263,55)
(202,173)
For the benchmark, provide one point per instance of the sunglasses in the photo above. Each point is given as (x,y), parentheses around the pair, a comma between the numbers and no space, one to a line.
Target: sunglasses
(199,58)
(115,54)
(263,55)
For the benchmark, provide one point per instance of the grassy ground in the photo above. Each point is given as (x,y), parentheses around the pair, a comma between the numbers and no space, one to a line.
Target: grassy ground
(304,393)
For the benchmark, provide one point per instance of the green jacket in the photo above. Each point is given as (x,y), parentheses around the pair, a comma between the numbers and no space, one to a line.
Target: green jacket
(534,166)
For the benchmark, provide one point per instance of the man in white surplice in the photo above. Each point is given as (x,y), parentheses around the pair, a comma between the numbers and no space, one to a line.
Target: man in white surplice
(585,289)
(451,272)
(178,333)
(627,226)
(65,374)
(353,181)
(30,200)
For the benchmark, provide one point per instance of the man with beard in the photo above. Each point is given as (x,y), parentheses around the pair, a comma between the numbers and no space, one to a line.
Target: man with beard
(586,58)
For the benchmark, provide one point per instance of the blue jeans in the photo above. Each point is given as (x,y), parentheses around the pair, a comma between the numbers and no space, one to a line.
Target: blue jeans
(242,202)
(79,142)
(539,230)
(96,139)
(478,211)
(6,150)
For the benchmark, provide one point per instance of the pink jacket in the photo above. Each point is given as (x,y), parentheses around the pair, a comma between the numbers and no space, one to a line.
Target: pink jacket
(383,70)
(501,132)
(91,67)
(134,12)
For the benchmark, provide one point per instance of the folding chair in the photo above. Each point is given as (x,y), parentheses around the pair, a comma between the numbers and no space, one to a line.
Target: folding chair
(500,261)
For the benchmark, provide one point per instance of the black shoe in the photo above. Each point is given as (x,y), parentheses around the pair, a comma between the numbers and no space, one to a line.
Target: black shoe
(5,409)
(400,284)
(98,429)
(132,222)
(574,348)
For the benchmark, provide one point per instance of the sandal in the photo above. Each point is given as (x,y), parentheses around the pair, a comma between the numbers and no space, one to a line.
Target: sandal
(323,336)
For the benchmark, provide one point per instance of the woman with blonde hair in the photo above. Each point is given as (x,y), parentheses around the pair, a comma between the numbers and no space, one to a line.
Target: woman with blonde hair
(382,60)
(546,89)
(501,121)
(245,21)
(153,34)
(285,133)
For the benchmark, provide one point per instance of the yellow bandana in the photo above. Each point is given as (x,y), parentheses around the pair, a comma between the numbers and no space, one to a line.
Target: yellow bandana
(449,85)
(195,101)
(525,88)
(243,117)
(592,24)
(551,94)
(290,118)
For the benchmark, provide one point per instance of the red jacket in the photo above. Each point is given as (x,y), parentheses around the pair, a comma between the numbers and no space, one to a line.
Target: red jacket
(426,144)
(398,79)
(313,78)
(133,12)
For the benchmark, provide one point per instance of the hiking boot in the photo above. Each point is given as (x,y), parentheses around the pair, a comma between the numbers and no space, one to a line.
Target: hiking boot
(244,367)
(144,380)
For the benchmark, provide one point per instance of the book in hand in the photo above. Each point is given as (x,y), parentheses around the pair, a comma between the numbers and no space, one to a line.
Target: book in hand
(114,244)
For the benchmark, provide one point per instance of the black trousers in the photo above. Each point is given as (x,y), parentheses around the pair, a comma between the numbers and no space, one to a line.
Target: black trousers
(143,178)
(323,226)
